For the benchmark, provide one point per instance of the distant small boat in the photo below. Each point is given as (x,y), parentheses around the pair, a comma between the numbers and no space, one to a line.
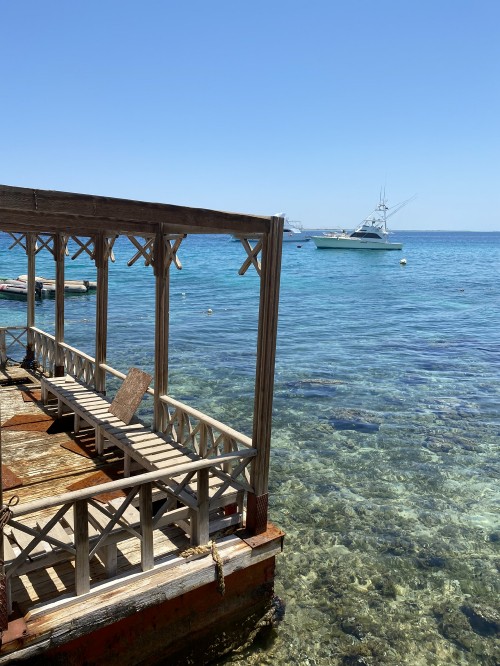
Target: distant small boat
(18,288)
(371,234)
(292,231)
(13,288)
(72,286)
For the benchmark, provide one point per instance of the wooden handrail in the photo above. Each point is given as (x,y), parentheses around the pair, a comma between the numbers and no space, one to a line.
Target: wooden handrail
(200,416)
(114,372)
(140,479)
(194,413)
(77,351)
(13,328)
(61,344)
(39,330)
(218,425)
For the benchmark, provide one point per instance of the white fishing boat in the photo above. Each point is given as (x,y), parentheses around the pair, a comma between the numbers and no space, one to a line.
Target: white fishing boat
(371,234)
(292,231)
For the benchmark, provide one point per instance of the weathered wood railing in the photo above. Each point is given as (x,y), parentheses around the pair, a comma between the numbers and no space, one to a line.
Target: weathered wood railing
(44,348)
(10,337)
(189,427)
(79,508)
(204,435)
(76,363)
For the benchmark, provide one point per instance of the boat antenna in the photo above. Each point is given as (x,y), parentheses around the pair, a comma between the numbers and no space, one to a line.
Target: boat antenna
(382,206)
(397,207)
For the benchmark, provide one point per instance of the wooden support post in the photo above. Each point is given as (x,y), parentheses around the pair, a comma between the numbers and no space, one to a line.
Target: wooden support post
(59,249)
(3,348)
(127,463)
(30,305)
(99,440)
(82,564)
(109,556)
(5,602)
(162,275)
(146,511)
(264,379)
(200,519)
(202,451)
(101,325)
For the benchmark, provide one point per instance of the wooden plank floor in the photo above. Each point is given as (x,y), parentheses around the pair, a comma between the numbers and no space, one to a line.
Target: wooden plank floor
(46,468)
(37,458)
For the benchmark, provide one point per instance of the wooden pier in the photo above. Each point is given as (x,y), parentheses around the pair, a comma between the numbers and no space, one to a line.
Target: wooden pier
(124,544)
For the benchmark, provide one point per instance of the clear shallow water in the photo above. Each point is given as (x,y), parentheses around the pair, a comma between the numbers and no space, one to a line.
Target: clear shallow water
(384,468)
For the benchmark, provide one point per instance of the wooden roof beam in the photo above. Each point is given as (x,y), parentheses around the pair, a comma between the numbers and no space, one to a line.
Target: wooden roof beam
(120,215)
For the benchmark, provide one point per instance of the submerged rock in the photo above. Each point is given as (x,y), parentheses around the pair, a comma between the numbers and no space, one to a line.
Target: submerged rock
(385,587)
(358,426)
(316,382)
(484,621)
(437,445)
(430,560)
(311,387)
(454,626)
(471,627)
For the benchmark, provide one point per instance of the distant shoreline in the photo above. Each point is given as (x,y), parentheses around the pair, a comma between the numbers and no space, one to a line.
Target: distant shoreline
(417,231)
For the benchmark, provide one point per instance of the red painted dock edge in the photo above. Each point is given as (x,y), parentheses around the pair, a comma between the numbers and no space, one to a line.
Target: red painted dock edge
(193,628)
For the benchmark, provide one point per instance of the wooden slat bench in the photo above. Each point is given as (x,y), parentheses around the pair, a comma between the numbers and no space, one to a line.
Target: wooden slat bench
(152,450)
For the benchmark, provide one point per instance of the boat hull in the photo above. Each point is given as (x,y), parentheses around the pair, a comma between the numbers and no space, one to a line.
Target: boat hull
(287,238)
(346,243)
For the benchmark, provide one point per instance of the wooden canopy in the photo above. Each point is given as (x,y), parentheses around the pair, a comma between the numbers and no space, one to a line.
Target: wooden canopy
(45,211)
(47,219)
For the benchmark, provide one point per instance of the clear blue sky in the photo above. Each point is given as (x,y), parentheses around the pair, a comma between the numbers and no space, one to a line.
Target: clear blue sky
(260,106)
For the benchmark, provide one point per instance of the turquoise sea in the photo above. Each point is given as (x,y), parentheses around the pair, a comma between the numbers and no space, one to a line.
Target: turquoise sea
(384,467)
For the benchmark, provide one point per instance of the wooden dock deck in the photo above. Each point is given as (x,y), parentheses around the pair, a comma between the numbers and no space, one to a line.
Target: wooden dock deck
(42,458)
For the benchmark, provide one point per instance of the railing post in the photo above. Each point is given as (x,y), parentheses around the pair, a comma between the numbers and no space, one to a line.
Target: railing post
(162,277)
(5,605)
(146,512)
(200,518)
(202,449)
(101,325)
(59,249)
(3,349)
(257,503)
(82,564)
(30,304)
(109,556)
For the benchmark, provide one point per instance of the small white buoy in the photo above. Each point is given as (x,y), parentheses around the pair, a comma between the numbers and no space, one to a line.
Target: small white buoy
(402,262)
(209,311)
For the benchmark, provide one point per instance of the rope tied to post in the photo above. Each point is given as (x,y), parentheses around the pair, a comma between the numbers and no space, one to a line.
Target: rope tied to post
(210,547)
(6,512)
(221,585)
